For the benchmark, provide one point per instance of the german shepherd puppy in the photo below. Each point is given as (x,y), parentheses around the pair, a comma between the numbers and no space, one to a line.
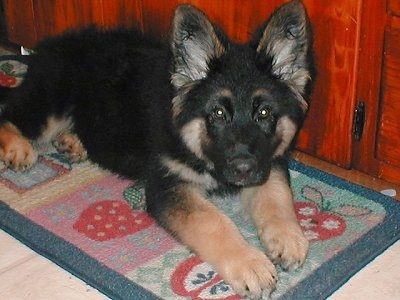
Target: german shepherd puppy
(199,117)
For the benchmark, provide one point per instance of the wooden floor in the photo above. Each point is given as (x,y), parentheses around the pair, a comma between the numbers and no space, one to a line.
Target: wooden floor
(26,275)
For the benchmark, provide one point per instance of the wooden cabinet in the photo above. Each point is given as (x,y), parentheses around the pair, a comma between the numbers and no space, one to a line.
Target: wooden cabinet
(378,85)
(357,51)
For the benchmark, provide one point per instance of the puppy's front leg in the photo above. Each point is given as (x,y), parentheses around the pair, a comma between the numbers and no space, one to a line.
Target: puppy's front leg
(214,237)
(271,207)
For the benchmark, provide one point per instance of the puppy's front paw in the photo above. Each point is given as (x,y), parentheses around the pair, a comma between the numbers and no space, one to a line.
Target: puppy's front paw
(15,150)
(285,243)
(248,271)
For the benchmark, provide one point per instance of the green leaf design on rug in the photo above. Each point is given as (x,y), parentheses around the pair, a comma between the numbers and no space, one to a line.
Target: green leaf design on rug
(134,195)
(13,68)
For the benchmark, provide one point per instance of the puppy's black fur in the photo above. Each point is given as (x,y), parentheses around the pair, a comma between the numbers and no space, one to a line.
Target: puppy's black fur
(195,117)
(103,80)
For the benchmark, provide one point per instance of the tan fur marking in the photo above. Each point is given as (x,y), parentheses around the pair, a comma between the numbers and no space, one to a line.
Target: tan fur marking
(70,145)
(177,106)
(225,92)
(271,207)
(15,150)
(214,237)
(286,129)
(194,134)
(188,174)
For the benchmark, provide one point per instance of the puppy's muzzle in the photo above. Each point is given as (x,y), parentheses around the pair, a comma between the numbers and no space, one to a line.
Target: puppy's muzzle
(242,167)
(242,170)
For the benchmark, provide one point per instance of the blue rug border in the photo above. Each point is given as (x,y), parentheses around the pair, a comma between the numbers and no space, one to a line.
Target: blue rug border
(117,286)
(378,239)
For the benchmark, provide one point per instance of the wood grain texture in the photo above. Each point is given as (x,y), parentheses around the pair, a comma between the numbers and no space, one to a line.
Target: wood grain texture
(388,149)
(379,87)
(327,130)
(394,7)
(29,21)
(20,21)
(55,16)
(126,13)
(369,82)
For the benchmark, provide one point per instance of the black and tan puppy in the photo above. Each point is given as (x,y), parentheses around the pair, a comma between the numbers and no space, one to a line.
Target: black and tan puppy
(201,116)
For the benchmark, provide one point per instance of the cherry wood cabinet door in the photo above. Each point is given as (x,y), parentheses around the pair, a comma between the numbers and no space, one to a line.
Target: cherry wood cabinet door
(20,22)
(336,23)
(327,132)
(28,21)
(378,151)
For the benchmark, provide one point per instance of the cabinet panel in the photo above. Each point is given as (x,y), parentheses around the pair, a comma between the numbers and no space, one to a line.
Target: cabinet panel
(377,153)
(29,21)
(55,16)
(122,13)
(328,127)
(20,21)
(388,149)
(394,7)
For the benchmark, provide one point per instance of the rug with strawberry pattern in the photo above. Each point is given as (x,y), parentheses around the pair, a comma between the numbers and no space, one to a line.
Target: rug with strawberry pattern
(94,224)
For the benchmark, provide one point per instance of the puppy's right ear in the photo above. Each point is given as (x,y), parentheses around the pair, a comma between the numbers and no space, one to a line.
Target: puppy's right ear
(194,44)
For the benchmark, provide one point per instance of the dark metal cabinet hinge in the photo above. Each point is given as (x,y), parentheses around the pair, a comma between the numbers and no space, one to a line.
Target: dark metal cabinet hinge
(359,121)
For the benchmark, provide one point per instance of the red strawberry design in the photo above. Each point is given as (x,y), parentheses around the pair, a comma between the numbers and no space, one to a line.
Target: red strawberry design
(318,225)
(7,81)
(109,219)
(319,219)
(196,280)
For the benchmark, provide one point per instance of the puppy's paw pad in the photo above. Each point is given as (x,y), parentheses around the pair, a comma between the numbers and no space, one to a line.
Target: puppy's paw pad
(249,272)
(286,245)
(70,145)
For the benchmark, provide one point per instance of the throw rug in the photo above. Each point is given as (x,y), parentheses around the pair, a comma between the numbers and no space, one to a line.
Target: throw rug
(94,224)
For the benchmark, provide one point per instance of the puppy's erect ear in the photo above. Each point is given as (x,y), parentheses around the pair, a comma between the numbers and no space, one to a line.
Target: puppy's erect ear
(194,43)
(284,45)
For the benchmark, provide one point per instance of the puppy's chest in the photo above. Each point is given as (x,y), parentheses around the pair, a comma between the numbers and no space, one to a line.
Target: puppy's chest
(223,191)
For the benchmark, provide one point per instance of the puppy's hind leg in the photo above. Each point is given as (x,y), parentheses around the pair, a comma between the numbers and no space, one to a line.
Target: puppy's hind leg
(15,150)
(70,145)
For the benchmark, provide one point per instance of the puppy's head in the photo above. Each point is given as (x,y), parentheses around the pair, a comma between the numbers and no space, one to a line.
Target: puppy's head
(237,107)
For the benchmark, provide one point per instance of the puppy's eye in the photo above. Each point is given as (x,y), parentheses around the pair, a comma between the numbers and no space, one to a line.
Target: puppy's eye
(219,114)
(263,113)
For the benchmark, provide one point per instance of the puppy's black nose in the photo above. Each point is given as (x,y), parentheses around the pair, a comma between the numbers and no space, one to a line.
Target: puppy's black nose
(243,167)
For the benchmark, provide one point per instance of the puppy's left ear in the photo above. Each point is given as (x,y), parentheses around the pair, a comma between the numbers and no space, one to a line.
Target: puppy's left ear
(194,44)
(284,46)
